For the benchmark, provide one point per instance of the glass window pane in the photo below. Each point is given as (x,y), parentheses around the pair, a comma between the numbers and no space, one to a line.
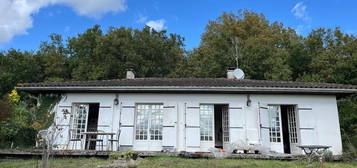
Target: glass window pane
(149,121)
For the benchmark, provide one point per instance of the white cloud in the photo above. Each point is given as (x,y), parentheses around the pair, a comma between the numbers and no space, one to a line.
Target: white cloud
(94,8)
(16,15)
(158,25)
(142,19)
(300,12)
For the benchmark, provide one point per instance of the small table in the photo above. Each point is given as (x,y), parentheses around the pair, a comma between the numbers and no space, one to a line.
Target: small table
(88,137)
(314,149)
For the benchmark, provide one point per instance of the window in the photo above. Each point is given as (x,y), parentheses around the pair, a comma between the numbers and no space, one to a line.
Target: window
(79,121)
(292,124)
(149,121)
(274,117)
(206,122)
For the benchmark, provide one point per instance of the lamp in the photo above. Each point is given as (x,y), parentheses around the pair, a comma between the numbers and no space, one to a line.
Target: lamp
(116,101)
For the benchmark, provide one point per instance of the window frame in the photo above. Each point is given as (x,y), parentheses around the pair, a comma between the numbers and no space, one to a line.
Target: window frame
(74,121)
(207,135)
(158,131)
(275,136)
(293,125)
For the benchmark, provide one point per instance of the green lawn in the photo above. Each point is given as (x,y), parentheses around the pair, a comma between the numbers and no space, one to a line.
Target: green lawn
(175,162)
(55,163)
(165,162)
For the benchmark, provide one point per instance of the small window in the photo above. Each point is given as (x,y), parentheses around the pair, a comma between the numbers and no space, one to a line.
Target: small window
(149,121)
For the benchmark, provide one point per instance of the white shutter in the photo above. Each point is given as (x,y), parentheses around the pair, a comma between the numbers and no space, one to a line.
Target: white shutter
(169,125)
(306,125)
(236,124)
(264,125)
(192,118)
(127,121)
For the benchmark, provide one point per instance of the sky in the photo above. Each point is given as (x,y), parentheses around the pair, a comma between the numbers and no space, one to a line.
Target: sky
(25,23)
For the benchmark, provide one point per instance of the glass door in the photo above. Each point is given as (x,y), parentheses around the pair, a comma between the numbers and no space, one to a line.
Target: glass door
(206,126)
(293,136)
(225,126)
(275,131)
(149,123)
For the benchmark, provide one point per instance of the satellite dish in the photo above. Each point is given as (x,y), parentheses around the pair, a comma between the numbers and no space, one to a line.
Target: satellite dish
(238,73)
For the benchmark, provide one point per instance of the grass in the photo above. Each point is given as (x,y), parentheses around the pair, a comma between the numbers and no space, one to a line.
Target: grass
(55,163)
(174,162)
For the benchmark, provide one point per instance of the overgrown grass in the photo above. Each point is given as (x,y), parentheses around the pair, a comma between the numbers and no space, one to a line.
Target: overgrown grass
(174,162)
(55,163)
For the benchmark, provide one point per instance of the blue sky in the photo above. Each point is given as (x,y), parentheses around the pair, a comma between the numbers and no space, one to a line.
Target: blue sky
(25,23)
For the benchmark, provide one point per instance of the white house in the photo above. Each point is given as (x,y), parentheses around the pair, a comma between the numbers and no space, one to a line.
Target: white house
(195,114)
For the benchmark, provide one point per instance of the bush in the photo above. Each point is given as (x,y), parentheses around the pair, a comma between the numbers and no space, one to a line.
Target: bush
(328,156)
(130,154)
(115,155)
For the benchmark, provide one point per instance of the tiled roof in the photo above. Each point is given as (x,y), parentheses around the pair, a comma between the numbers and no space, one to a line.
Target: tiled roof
(188,82)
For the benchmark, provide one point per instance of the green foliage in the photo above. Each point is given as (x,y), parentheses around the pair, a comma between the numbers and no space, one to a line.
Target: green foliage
(115,155)
(25,120)
(14,97)
(130,154)
(348,124)
(262,47)
(95,55)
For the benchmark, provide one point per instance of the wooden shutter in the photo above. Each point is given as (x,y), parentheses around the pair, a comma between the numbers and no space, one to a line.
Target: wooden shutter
(264,125)
(307,123)
(236,123)
(127,121)
(192,118)
(169,125)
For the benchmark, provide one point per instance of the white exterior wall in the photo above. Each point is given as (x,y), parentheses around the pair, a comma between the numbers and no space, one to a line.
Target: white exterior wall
(317,116)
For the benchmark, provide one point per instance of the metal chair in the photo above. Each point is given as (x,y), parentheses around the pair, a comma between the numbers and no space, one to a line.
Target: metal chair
(74,139)
(115,139)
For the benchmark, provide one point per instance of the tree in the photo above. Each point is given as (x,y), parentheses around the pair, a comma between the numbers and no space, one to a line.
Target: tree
(17,67)
(263,47)
(95,55)
(83,60)
(53,59)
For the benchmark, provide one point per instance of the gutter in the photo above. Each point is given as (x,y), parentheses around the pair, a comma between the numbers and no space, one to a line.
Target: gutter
(187,88)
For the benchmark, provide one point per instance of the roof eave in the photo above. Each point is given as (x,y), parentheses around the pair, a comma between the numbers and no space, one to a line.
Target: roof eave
(190,88)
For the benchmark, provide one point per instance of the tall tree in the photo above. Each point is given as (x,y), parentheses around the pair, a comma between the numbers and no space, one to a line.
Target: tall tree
(83,60)
(53,57)
(263,47)
(18,67)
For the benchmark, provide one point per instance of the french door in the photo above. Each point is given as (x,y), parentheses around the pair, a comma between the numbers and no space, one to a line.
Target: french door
(225,126)
(275,130)
(79,122)
(206,126)
(149,121)
(293,133)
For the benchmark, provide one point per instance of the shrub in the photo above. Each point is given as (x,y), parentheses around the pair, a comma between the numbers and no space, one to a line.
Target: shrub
(130,154)
(115,155)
